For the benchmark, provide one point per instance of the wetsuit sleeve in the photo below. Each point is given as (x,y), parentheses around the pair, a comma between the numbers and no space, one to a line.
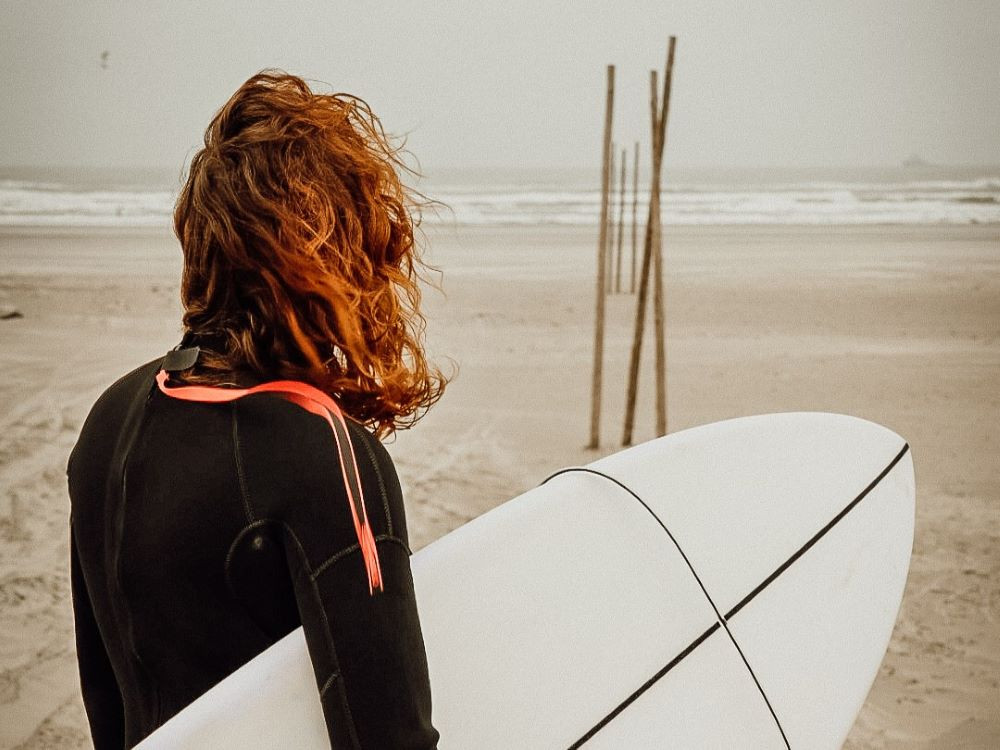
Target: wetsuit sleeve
(367,651)
(101,694)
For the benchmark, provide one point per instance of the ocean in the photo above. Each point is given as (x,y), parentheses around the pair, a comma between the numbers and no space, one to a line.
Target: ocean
(923,194)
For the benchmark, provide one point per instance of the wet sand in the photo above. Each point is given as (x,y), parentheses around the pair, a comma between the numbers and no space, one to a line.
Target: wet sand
(899,325)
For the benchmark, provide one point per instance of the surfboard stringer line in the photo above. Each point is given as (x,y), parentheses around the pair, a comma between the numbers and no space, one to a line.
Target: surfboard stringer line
(721,620)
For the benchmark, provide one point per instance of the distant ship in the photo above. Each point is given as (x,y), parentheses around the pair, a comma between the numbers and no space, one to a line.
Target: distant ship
(915,160)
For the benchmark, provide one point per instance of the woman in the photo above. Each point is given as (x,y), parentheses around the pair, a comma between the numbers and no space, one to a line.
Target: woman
(230,491)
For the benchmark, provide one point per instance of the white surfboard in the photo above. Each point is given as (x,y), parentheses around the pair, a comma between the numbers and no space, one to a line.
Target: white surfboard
(732,585)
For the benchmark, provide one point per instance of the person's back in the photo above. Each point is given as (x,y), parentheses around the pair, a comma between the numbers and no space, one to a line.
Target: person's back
(204,532)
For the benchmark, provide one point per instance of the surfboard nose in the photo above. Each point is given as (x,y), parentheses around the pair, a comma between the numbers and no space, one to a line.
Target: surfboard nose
(816,630)
(800,527)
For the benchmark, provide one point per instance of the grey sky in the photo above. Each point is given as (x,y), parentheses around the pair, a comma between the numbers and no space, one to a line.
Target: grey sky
(517,82)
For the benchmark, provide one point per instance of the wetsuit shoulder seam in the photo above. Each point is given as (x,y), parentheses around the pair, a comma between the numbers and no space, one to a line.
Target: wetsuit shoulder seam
(378,476)
(240,472)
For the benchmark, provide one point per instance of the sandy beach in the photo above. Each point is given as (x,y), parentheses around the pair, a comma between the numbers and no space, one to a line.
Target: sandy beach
(899,325)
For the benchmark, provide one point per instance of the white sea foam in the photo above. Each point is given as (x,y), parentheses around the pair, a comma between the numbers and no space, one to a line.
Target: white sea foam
(975,199)
(51,204)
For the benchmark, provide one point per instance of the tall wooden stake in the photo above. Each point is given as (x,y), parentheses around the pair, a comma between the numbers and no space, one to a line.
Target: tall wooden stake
(595,395)
(640,307)
(658,314)
(635,201)
(658,124)
(621,228)
(609,253)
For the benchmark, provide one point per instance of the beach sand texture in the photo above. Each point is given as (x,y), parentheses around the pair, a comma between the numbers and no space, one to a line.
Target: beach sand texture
(899,325)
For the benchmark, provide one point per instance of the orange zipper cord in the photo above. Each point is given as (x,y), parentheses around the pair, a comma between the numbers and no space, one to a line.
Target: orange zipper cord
(316,401)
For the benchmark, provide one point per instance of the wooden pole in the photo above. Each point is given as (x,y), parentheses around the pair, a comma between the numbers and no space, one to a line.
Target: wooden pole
(640,306)
(609,253)
(658,138)
(595,395)
(658,314)
(635,200)
(621,228)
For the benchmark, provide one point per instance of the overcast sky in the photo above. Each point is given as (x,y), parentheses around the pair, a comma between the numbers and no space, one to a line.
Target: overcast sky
(517,83)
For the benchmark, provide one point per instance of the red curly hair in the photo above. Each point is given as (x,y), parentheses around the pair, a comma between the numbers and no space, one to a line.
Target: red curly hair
(299,253)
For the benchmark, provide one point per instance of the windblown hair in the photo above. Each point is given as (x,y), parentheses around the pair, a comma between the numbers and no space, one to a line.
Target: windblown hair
(299,254)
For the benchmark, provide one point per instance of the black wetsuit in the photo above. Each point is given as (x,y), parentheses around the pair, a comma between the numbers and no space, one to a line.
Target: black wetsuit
(203,533)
